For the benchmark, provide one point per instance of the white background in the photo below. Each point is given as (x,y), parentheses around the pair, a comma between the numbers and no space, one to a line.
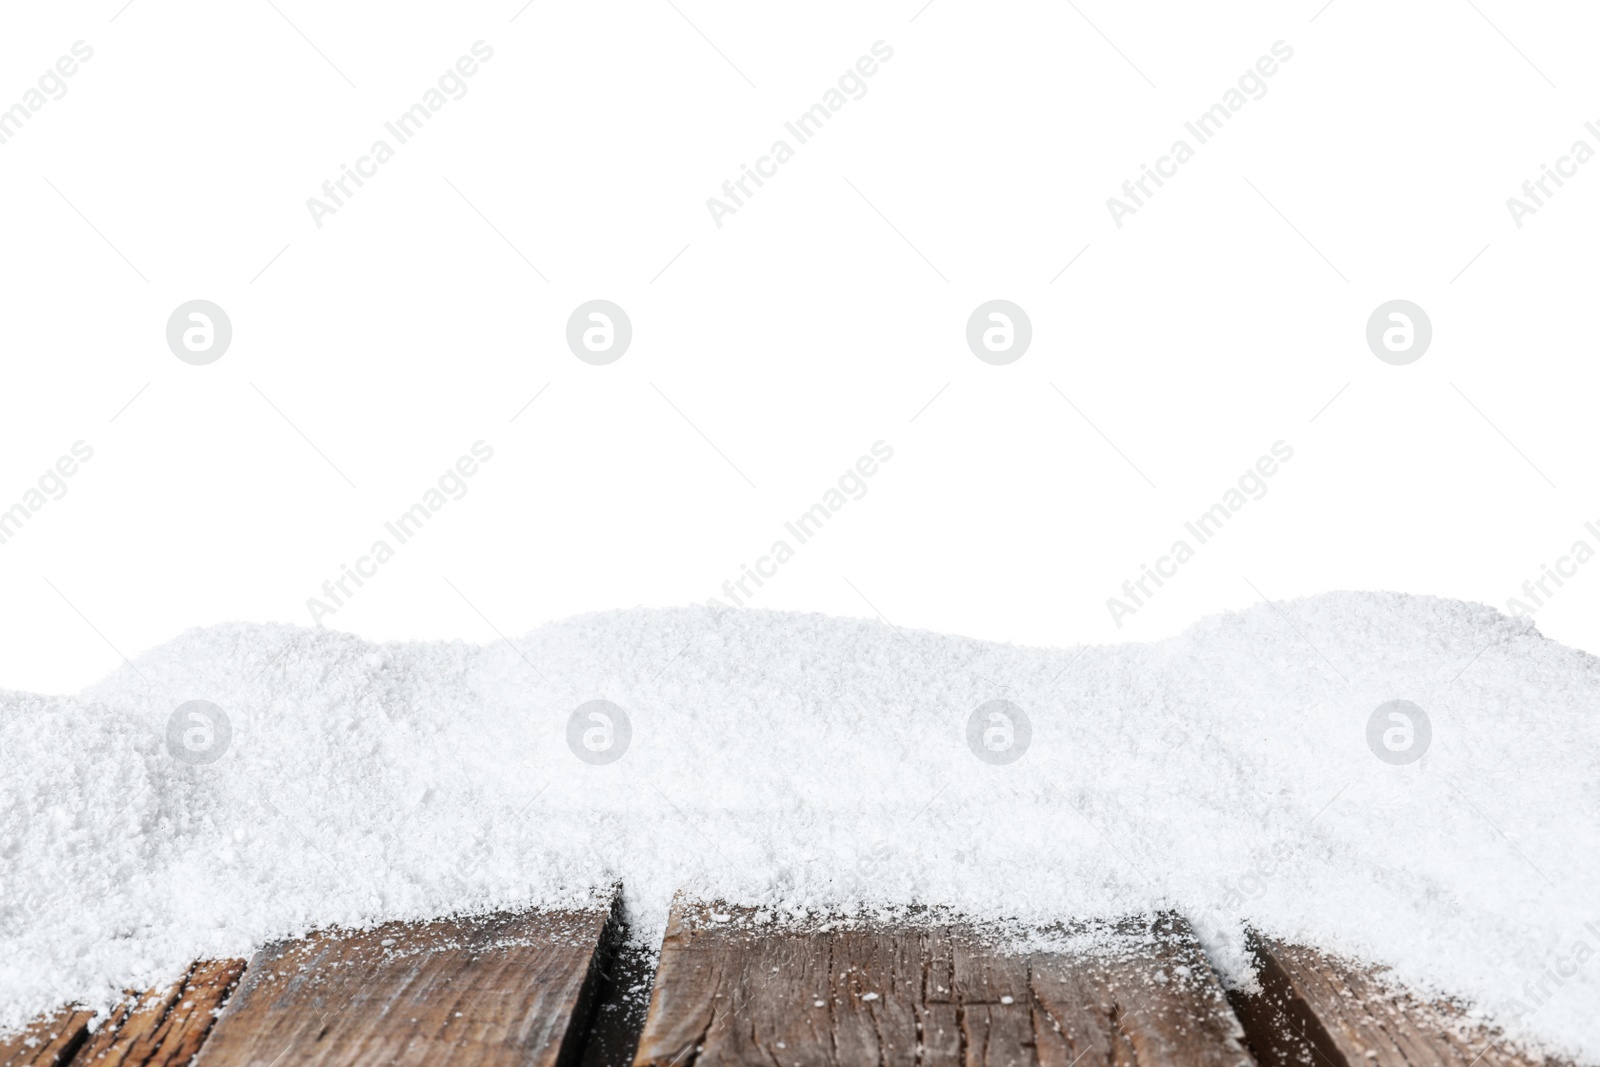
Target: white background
(820,318)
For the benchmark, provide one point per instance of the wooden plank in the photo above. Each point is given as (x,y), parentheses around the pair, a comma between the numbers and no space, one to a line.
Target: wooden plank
(1316,1010)
(733,990)
(47,1042)
(505,990)
(164,1028)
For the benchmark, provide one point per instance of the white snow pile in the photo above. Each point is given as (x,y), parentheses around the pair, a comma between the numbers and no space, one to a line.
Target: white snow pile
(808,763)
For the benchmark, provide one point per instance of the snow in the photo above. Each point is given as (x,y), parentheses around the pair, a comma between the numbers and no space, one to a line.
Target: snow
(801,763)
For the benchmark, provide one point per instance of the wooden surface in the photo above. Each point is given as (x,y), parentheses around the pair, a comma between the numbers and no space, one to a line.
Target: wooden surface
(559,989)
(47,1043)
(164,1028)
(1318,1011)
(733,990)
(507,990)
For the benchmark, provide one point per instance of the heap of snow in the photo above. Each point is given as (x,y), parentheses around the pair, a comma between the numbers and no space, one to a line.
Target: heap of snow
(809,763)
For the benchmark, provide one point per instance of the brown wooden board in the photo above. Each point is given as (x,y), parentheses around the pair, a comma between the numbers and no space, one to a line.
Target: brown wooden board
(47,1042)
(733,990)
(163,1028)
(1315,1010)
(504,990)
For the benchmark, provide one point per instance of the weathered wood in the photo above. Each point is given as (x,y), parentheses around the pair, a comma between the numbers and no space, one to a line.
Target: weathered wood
(47,1042)
(506,990)
(732,990)
(1316,1010)
(163,1028)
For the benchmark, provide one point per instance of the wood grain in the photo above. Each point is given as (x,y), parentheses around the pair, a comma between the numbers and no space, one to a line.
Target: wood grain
(506,990)
(47,1042)
(1316,1010)
(163,1028)
(732,990)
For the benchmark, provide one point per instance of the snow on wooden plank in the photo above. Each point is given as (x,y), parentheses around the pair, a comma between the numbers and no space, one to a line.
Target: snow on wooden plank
(48,1042)
(1315,1010)
(732,989)
(505,990)
(163,1028)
